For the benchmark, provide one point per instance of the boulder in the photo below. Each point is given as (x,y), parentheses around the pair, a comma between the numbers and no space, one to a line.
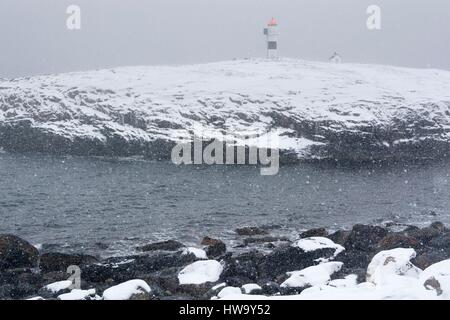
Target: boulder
(387,264)
(216,247)
(364,237)
(251,231)
(441,242)
(17,253)
(429,257)
(169,245)
(289,258)
(55,261)
(242,269)
(425,235)
(398,240)
(339,236)
(319,232)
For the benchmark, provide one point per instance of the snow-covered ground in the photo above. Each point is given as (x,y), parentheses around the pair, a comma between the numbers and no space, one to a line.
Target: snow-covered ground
(315,110)
(390,275)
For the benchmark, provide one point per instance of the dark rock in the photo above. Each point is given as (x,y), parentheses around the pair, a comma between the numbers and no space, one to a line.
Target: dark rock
(354,259)
(339,236)
(410,229)
(166,280)
(55,276)
(195,291)
(18,291)
(270,288)
(109,272)
(17,253)
(134,267)
(424,235)
(319,232)
(254,240)
(289,258)
(398,240)
(243,268)
(216,247)
(438,226)
(442,241)
(430,257)
(251,231)
(61,261)
(6,291)
(169,245)
(364,237)
(19,283)
(207,241)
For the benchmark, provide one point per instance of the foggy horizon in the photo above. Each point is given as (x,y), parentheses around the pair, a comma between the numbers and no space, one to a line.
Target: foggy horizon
(117,33)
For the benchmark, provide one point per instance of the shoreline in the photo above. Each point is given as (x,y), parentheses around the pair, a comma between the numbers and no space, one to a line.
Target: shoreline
(266,265)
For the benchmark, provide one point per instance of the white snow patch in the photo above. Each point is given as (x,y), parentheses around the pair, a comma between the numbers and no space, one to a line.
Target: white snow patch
(58,286)
(78,294)
(218,286)
(227,291)
(317,243)
(197,252)
(126,290)
(312,276)
(201,272)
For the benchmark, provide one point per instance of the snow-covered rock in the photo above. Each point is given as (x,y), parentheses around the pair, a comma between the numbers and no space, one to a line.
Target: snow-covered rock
(201,272)
(315,110)
(317,243)
(78,294)
(58,286)
(389,264)
(437,277)
(312,276)
(130,290)
(250,287)
(227,291)
(197,252)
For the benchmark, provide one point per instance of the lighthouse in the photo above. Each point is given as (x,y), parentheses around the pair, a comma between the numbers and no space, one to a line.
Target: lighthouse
(271,33)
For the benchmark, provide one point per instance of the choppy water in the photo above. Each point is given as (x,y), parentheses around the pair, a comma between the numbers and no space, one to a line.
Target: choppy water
(88,204)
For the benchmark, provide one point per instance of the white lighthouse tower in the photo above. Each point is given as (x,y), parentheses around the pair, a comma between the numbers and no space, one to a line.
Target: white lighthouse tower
(271,32)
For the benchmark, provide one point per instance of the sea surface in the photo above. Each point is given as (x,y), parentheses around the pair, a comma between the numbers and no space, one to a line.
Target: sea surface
(110,206)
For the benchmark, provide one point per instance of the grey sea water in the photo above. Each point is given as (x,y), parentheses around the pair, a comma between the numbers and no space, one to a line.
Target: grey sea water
(109,206)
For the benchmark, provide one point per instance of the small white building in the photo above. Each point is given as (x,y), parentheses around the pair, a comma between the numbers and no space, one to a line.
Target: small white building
(335,58)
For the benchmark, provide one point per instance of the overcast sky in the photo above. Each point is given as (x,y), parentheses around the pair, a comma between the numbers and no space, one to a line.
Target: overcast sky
(34,38)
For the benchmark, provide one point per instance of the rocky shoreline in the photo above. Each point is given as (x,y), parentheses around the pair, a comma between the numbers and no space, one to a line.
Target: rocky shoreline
(366,258)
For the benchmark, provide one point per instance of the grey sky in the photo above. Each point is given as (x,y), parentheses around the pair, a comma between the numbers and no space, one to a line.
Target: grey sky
(35,40)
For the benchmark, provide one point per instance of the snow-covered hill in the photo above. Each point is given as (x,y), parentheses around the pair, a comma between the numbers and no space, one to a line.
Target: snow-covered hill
(319,110)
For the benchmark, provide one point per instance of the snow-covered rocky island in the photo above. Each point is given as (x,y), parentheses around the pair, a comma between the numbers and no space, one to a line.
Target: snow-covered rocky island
(316,110)
(367,262)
